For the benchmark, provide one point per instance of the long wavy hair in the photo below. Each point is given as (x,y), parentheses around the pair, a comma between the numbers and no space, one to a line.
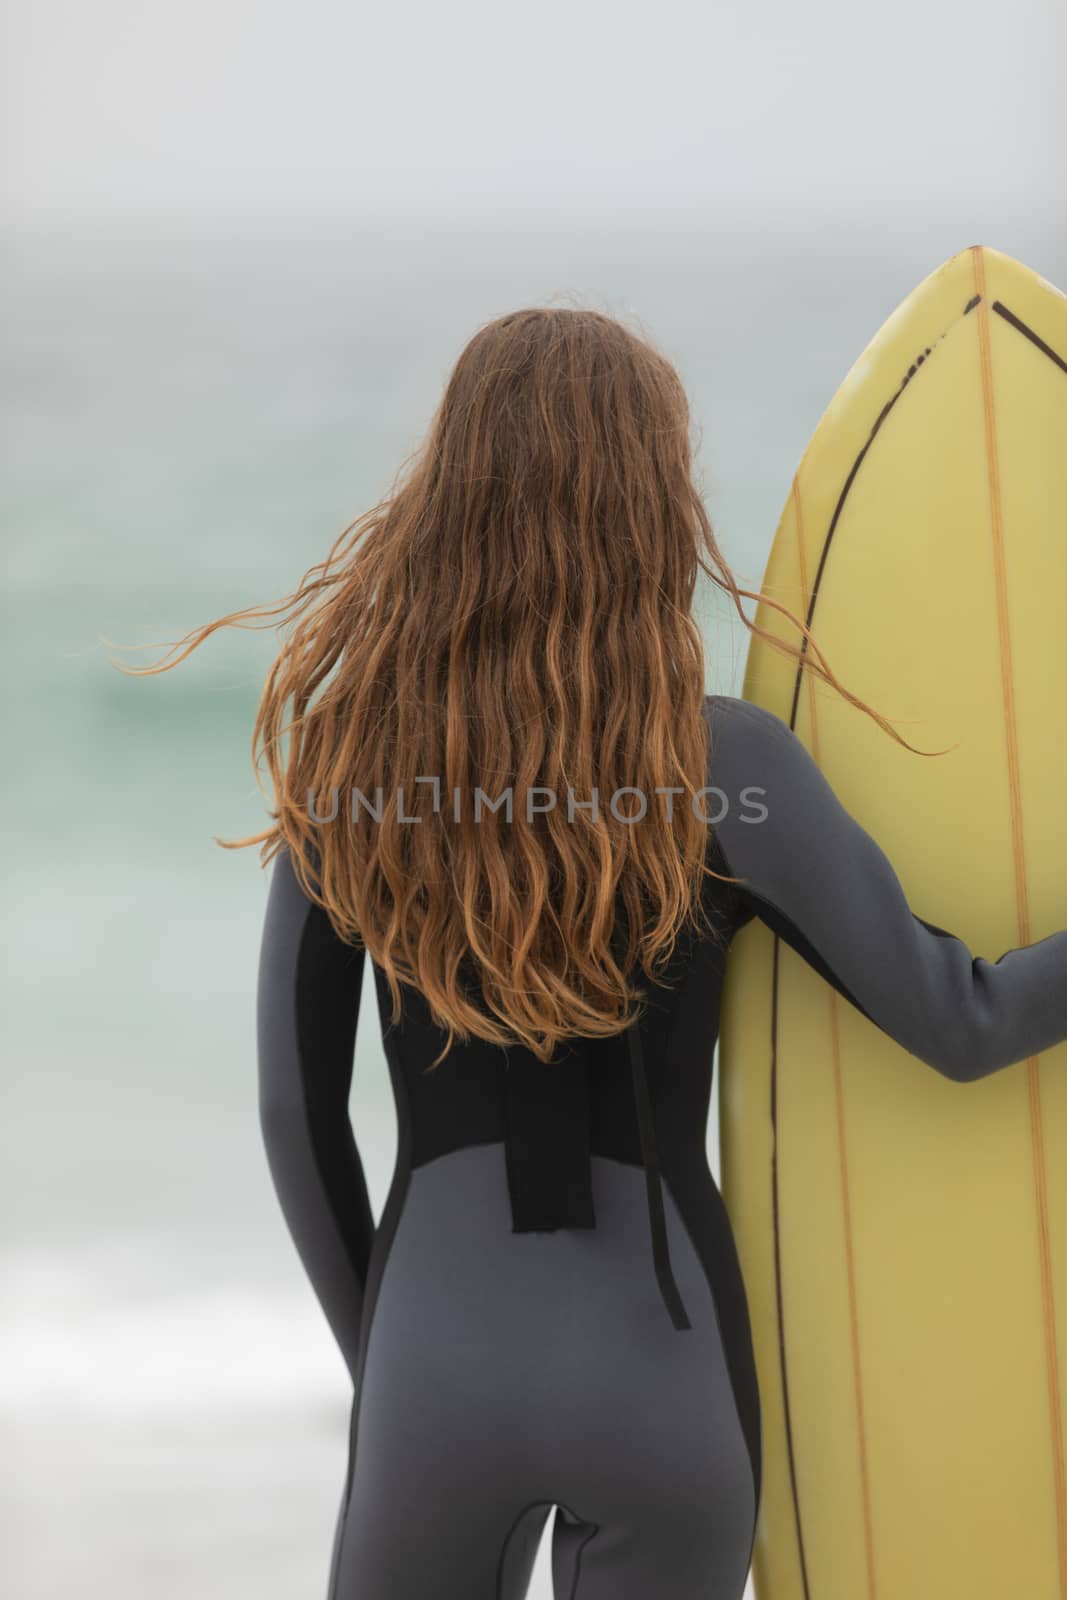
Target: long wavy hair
(515,615)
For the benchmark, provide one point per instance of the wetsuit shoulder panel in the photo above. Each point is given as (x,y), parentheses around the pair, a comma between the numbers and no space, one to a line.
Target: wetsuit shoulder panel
(819,879)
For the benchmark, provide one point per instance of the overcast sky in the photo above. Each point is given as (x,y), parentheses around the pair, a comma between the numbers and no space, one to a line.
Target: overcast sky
(338,109)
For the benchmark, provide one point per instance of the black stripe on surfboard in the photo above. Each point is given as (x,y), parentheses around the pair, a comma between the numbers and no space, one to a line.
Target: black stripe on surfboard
(1013,321)
(834,520)
(778,1267)
(886,409)
(1028,333)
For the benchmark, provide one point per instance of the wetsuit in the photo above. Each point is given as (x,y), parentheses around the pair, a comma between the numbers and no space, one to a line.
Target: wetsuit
(551,1311)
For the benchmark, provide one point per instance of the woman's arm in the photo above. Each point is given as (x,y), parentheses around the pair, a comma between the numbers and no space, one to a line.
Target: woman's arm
(821,882)
(308,1007)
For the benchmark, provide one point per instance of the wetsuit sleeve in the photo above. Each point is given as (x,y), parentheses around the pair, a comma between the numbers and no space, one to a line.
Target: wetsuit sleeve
(823,884)
(307,1011)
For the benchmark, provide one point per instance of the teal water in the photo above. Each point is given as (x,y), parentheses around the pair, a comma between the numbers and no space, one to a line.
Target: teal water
(190,422)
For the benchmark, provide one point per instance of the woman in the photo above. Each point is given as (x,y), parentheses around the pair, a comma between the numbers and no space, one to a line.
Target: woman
(550,1312)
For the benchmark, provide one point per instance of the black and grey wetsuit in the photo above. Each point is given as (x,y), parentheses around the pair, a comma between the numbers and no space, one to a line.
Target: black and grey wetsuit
(550,1312)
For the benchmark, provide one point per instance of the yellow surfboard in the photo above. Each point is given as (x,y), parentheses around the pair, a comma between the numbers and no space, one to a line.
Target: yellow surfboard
(904,1238)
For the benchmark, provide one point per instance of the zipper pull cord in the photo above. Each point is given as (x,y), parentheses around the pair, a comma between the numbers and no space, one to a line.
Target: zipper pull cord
(661,1257)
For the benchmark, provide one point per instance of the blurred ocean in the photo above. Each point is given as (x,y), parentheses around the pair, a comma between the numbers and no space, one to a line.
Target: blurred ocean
(190,421)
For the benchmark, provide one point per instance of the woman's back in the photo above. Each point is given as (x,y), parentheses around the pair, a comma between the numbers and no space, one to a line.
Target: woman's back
(551,1309)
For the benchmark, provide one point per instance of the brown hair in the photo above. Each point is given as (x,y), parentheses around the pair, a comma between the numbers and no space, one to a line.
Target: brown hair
(516,612)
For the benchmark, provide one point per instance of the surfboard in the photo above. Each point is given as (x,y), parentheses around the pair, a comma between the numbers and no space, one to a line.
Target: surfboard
(903,1238)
